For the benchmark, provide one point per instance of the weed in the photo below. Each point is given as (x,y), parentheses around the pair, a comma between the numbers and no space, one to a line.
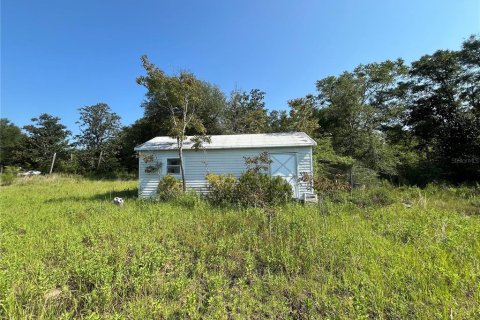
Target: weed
(169,188)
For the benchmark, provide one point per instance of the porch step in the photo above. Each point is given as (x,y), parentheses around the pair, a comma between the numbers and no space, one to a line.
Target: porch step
(310,197)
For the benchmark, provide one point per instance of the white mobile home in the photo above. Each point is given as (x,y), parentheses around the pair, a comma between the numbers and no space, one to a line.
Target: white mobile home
(290,153)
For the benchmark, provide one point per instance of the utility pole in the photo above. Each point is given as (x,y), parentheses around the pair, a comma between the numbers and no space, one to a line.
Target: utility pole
(350,174)
(53,162)
(99,159)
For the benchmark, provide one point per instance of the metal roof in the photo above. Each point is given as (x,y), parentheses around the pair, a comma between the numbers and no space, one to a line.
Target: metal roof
(235,141)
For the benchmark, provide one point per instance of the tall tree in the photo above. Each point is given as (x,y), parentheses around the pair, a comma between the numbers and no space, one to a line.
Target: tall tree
(131,136)
(210,106)
(355,106)
(303,115)
(11,139)
(99,128)
(443,109)
(469,57)
(45,137)
(182,95)
(278,121)
(246,112)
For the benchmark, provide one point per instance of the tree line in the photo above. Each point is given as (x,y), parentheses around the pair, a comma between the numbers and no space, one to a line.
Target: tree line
(408,123)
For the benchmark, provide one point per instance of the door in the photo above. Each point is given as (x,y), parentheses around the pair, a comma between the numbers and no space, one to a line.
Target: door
(285,165)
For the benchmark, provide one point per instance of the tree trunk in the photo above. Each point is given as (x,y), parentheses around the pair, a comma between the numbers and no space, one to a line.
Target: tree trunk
(182,171)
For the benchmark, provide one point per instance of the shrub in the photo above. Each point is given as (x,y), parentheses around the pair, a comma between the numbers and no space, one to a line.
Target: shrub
(6,179)
(279,191)
(188,200)
(260,190)
(8,176)
(382,197)
(169,188)
(377,197)
(221,188)
(364,176)
(326,185)
(252,189)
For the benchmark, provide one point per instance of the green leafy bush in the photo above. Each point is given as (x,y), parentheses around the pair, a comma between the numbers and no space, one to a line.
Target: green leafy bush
(169,188)
(8,176)
(381,197)
(259,190)
(376,197)
(327,185)
(252,189)
(222,188)
(279,191)
(188,200)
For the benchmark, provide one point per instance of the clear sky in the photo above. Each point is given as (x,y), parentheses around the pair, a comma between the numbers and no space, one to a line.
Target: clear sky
(57,56)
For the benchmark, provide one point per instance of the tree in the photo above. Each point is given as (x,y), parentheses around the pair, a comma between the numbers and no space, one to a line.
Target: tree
(45,137)
(11,139)
(278,121)
(182,95)
(131,136)
(246,112)
(356,105)
(469,58)
(99,128)
(210,107)
(444,96)
(303,115)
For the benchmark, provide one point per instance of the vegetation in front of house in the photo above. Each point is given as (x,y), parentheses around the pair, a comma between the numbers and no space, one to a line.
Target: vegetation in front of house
(410,124)
(254,187)
(68,252)
(251,189)
(169,188)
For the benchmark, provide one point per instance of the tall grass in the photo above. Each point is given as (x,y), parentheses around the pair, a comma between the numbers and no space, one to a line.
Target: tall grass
(66,251)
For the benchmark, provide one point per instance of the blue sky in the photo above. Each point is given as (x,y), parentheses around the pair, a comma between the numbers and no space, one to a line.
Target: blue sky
(57,56)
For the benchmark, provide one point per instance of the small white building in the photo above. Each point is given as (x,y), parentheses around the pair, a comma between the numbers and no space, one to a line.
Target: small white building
(290,153)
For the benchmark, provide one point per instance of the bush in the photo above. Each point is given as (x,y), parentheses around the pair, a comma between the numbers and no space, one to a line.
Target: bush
(377,197)
(259,190)
(8,176)
(222,188)
(326,185)
(279,191)
(382,197)
(169,188)
(252,189)
(188,200)
(6,179)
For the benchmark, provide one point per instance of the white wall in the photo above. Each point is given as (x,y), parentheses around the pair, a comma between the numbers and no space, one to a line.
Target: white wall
(219,161)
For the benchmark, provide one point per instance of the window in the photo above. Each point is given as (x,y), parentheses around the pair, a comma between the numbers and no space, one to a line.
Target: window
(173,166)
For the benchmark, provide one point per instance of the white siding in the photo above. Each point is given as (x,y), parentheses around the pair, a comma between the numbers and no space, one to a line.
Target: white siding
(221,161)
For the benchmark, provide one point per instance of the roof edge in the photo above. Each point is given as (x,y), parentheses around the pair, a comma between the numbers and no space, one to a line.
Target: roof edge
(312,143)
(225,148)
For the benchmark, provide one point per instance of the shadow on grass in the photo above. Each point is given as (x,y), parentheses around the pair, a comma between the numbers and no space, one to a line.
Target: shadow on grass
(126,194)
(111,177)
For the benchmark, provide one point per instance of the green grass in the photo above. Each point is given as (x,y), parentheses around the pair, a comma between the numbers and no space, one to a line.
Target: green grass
(67,252)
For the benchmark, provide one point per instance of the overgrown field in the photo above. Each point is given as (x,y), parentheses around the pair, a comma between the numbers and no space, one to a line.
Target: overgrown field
(67,252)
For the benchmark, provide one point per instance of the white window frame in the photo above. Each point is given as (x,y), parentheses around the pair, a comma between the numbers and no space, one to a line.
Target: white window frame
(167,165)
